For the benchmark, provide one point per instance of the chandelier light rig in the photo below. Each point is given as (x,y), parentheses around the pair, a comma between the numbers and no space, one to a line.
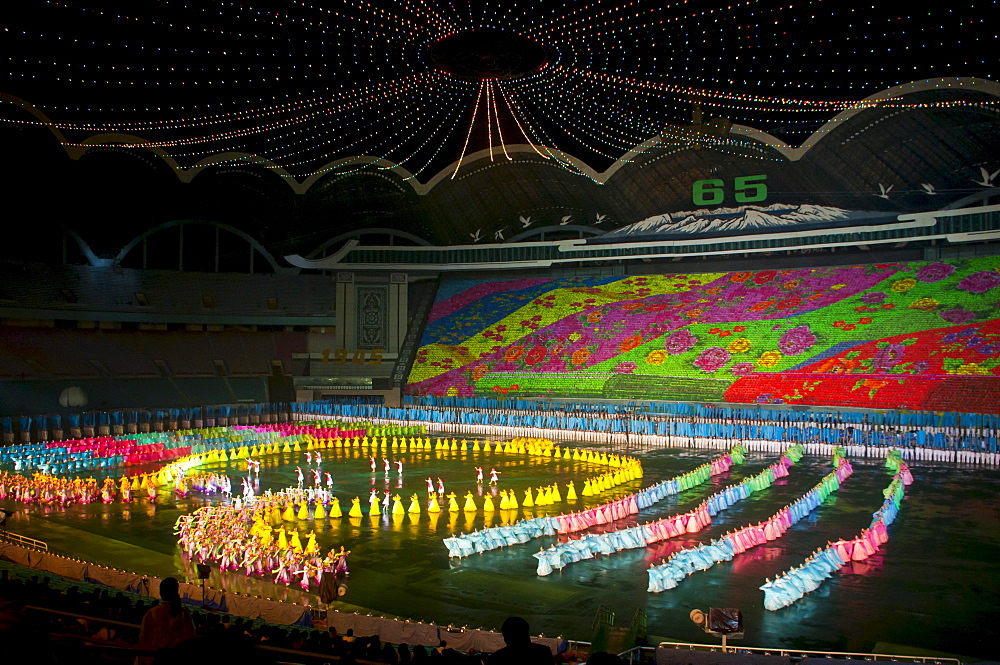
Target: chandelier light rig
(305,86)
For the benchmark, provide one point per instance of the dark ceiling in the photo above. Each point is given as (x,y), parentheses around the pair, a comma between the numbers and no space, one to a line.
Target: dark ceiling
(304,84)
(350,103)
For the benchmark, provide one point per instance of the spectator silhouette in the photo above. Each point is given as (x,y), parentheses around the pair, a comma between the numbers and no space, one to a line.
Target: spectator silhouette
(165,625)
(519,649)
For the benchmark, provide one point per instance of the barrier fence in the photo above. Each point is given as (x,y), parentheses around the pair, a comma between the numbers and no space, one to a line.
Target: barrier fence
(388,630)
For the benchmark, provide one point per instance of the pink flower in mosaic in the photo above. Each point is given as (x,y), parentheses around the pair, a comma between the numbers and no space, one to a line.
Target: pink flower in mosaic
(712,359)
(980,282)
(873,297)
(679,341)
(888,357)
(626,368)
(742,369)
(796,340)
(957,315)
(934,272)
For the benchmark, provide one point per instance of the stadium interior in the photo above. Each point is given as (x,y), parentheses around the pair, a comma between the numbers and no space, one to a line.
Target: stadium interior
(551,228)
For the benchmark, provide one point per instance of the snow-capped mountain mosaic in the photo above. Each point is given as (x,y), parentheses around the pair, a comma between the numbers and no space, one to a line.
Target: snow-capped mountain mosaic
(752,218)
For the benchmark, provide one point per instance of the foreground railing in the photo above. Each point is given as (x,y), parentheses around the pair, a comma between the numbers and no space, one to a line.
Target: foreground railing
(24,541)
(639,655)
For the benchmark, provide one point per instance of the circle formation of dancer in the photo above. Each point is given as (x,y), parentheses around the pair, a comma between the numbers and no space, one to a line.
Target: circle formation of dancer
(178,450)
(241,538)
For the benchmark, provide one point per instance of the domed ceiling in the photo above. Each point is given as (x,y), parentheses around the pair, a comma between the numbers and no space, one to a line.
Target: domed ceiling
(573,113)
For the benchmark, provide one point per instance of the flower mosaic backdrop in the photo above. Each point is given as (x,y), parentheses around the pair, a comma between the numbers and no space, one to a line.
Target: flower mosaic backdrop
(923,335)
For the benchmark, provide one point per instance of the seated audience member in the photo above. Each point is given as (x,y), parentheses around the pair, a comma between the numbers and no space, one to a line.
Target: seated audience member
(166,625)
(519,649)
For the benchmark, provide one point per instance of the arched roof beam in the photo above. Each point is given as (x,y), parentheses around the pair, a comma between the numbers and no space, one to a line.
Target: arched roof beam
(360,232)
(795,153)
(278,269)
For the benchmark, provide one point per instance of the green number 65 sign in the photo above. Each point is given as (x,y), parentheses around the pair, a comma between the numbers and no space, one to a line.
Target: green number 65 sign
(748,189)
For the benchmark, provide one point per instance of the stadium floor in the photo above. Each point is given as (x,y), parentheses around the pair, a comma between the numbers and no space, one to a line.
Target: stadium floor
(930,587)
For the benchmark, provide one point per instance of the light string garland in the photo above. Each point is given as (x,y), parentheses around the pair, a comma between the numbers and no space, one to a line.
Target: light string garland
(301,86)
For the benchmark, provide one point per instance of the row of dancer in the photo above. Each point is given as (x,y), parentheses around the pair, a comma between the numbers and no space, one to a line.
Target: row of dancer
(687,561)
(386,467)
(484,540)
(43,488)
(633,503)
(317,477)
(377,506)
(796,582)
(635,537)
(494,475)
(612,510)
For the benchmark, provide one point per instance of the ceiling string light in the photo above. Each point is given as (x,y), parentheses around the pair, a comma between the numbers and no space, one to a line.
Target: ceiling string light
(299,86)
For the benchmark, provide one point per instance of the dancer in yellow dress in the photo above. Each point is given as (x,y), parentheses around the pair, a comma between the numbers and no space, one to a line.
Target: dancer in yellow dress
(311,546)
(470,503)
(452,502)
(355,508)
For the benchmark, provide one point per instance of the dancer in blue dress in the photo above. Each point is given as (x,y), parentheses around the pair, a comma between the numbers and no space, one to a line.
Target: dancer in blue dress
(544,568)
